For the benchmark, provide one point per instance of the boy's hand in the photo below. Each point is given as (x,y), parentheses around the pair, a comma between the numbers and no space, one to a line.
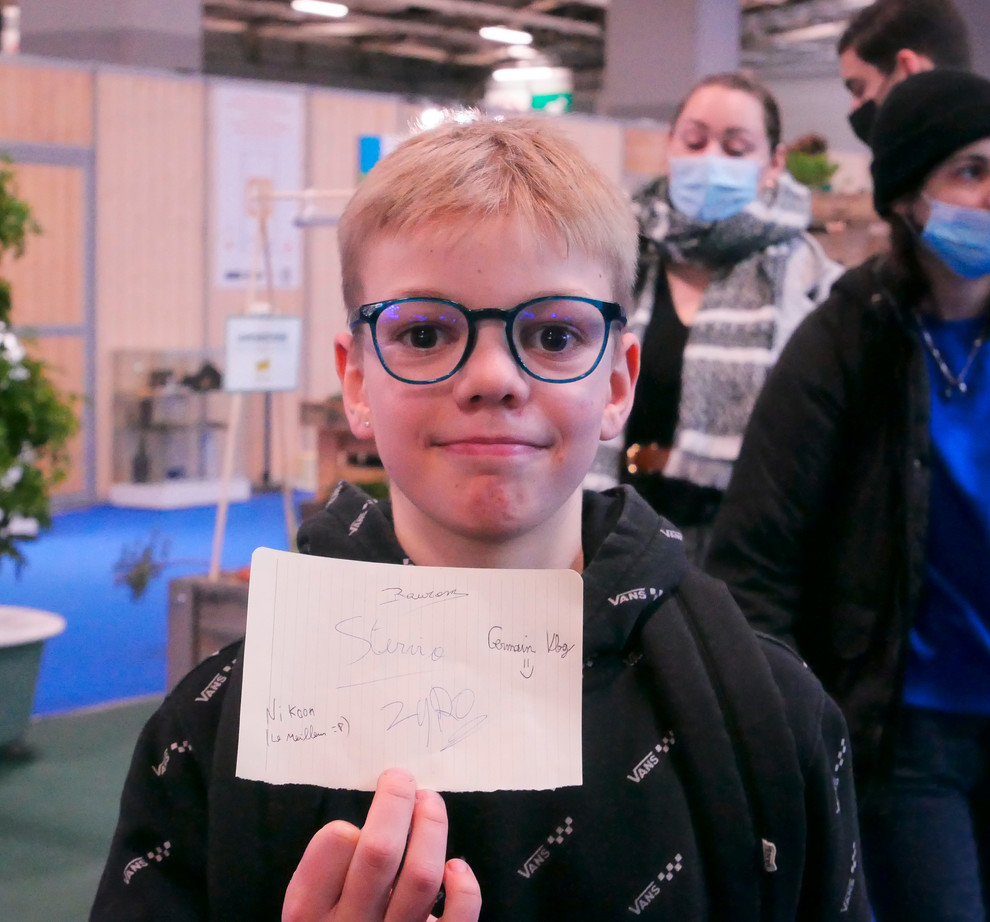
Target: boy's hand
(352,875)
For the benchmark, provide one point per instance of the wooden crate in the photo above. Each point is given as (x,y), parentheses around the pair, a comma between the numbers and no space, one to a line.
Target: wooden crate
(202,617)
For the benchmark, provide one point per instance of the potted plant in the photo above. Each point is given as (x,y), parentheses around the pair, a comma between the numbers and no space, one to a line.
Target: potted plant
(808,162)
(36,421)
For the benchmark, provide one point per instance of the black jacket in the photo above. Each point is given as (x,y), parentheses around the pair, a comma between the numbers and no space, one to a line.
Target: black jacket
(659,828)
(821,534)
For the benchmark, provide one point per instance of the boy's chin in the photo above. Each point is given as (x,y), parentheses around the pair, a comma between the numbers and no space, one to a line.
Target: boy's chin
(496,512)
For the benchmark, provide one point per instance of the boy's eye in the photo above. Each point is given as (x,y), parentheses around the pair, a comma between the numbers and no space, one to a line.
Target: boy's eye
(555,339)
(421,337)
(420,326)
(550,338)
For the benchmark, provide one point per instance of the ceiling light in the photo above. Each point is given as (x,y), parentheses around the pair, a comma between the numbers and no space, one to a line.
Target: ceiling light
(520,74)
(505,35)
(319,8)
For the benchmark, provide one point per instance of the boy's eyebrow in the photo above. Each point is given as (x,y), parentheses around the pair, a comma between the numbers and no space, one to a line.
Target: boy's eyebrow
(435,293)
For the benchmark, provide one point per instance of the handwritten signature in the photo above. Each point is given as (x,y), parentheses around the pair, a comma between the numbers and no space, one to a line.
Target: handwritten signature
(440,714)
(374,639)
(430,596)
(303,734)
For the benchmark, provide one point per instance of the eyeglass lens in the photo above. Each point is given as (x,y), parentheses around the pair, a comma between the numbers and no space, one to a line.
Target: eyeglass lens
(556,339)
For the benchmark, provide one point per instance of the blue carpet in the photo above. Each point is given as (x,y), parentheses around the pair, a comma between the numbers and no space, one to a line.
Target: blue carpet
(114,646)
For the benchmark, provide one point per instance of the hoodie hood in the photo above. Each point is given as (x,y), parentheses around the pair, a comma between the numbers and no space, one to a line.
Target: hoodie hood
(633,558)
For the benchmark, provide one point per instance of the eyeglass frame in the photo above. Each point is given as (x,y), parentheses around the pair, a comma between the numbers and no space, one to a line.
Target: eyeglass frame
(611,311)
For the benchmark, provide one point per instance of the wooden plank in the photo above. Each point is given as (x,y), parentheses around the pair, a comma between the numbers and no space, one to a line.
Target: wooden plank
(46,105)
(150,235)
(42,296)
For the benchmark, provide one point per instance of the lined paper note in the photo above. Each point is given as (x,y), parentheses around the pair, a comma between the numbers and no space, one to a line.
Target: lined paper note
(468,678)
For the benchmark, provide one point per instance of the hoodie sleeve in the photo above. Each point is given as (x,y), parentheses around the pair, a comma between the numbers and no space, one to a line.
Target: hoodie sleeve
(833,888)
(157,863)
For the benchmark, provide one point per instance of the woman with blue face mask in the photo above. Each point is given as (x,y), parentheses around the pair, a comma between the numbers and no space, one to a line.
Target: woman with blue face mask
(726,273)
(857,523)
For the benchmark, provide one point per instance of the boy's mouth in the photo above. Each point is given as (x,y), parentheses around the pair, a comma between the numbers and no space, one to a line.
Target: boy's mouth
(504,446)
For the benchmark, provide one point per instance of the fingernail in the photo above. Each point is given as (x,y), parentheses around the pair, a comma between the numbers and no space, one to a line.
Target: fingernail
(398,774)
(458,865)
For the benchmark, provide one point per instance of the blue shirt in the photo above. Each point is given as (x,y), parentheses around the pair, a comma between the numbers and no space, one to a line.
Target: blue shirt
(949,658)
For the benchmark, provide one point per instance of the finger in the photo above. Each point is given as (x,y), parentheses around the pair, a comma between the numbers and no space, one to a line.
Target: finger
(379,850)
(422,869)
(463,903)
(319,877)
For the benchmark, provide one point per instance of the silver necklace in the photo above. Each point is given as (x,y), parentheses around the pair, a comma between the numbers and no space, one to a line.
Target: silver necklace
(953,383)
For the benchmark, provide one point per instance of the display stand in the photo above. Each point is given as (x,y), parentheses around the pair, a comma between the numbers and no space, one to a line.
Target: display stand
(260,198)
(169,418)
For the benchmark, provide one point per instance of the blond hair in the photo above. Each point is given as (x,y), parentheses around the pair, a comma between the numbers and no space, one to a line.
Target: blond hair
(489,168)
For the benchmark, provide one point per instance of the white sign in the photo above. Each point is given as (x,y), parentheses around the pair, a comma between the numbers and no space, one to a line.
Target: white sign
(468,678)
(262,353)
(257,143)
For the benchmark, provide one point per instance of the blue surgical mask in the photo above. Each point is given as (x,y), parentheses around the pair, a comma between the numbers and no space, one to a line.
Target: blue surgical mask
(960,237)
(712,188)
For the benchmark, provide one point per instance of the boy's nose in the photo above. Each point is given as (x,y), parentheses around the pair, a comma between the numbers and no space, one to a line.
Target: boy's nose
(491,373)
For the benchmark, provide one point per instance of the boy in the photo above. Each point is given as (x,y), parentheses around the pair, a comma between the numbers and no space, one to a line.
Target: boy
(484,269)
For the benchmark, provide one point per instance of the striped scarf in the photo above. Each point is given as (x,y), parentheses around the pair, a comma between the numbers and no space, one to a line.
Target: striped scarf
(730,345)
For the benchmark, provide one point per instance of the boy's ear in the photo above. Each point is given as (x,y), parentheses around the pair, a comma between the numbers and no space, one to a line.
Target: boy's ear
(349,360)
(622,386)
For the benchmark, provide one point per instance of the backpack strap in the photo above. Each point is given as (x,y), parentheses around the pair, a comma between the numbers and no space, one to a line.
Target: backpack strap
(742,773)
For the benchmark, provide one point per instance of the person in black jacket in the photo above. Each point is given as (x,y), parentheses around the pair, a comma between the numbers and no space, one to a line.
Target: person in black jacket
(857,523)
(483,265)
(890,40)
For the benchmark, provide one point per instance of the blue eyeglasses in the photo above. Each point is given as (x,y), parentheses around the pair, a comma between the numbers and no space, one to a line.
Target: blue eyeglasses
(557,338)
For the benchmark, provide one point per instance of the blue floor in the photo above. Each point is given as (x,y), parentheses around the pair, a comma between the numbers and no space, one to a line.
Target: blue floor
(114,645)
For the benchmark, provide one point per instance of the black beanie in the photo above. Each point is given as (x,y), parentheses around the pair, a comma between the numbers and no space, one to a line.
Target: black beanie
(922,122)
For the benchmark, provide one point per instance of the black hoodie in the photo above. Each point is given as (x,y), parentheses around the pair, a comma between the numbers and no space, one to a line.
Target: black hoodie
(658,829)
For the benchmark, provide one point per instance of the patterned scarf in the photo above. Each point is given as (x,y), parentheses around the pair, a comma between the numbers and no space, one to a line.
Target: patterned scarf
(730,343)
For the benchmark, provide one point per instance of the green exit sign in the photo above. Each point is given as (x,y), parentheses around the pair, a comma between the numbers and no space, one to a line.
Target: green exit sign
(553,102)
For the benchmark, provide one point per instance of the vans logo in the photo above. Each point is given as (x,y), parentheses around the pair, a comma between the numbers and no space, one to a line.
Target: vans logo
(178,749)
(536,860)
(641,593)
(362,515)
(215,684)
(840,760)
(851,886)
(159,854)
(651,760)
(652,890)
